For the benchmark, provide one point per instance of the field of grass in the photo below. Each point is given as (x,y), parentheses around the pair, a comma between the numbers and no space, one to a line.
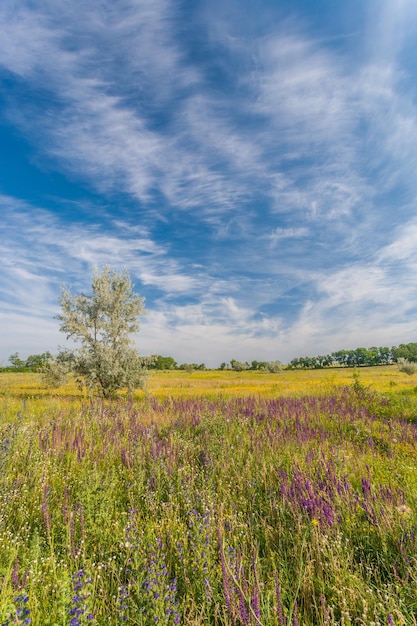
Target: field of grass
(179,383)
(216,498)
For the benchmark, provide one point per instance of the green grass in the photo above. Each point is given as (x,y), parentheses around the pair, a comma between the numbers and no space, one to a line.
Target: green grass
(221,507)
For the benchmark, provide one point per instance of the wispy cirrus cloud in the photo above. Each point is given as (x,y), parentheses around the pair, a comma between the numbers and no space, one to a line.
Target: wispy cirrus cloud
(287,233)
(257,179)
(37,244)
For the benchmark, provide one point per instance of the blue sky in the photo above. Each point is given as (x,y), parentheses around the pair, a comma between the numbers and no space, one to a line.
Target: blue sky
(252,164)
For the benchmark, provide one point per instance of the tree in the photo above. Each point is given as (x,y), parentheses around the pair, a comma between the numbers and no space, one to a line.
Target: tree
(164,363)
(16,361)
(35,362)
(259,365)
(274,367)
(239,366)
(405,350)
(190,367)
(101,323)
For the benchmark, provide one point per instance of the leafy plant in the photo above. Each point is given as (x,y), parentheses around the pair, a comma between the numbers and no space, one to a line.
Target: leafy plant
(406,366)
(101,323)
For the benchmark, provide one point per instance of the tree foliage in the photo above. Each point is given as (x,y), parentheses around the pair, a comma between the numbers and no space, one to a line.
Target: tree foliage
(33,363)
(16,361)
(164,363)
(101,323)
(190,367)
(348,358)
(261,366)
(406,351)
(239,366)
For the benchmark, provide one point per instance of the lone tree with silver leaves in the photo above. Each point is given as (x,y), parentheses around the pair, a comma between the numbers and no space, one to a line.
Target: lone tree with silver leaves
(101,323)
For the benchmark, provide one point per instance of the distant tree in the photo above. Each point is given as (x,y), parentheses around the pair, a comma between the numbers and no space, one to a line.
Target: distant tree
(378,356)
(190,367)
(274,367)
(305,362)
(164,363)
(385,355)
(373,356)
(101,323)
(350,358)
(37,361)
(360,356)
(258,365)
(354,358)
(324,360)
(16,361)
(187,367)
(239,366)
(406,351)
(340,357)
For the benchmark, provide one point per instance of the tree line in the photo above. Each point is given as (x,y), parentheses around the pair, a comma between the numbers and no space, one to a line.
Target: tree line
(33,363)
(359,357)
(169,363)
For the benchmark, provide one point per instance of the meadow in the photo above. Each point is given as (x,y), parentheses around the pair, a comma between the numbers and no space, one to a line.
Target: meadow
(214,498)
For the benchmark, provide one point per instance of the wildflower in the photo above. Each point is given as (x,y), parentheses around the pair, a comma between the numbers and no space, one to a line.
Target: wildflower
(79,599)
(315,522)
(21,615)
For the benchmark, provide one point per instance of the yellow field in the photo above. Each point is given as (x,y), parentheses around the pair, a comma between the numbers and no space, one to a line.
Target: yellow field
(287,382)
(227,383)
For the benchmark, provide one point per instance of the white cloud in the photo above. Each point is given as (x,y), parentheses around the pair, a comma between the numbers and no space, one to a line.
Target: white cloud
(50,249)
(287,233)
(403,247)
(303,146)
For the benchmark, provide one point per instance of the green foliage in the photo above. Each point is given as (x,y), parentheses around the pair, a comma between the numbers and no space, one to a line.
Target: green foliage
(266,366)
(347,358)
(16,361)
(239,366)
(33,363)
(274,367)
(190,367)
(164,363)
(259,366)
(101,323)
(406,351)
(57,370)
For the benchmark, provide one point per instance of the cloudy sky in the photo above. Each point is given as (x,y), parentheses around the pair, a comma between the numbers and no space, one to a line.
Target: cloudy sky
(252,164)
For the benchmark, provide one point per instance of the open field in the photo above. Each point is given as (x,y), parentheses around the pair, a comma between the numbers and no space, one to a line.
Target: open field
(217,498)
(178,383)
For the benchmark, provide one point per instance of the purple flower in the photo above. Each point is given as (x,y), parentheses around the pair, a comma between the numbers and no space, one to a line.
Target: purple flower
(21,615)
(78,601)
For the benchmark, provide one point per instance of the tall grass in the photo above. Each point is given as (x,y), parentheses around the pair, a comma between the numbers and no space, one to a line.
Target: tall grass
(235,511)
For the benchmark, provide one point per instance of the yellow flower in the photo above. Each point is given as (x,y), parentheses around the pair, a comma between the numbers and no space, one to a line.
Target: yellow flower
(315,522)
